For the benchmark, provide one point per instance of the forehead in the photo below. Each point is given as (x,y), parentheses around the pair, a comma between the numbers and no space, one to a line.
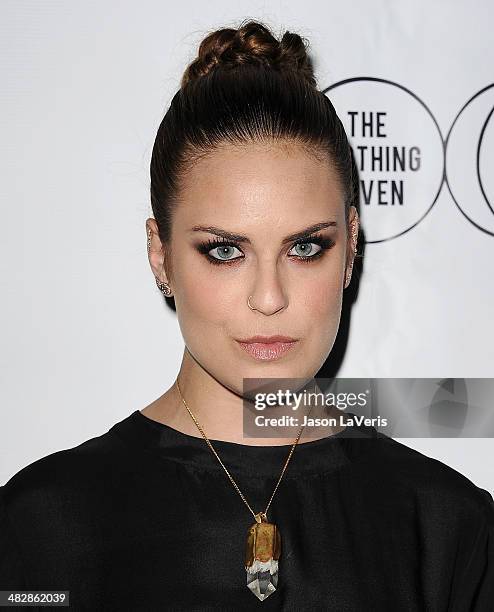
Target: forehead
(261,181)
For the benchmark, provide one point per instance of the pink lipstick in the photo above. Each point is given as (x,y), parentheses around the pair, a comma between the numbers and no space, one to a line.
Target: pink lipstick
(267,348)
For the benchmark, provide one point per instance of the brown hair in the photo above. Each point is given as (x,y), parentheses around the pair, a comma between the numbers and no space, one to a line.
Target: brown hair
(245,86)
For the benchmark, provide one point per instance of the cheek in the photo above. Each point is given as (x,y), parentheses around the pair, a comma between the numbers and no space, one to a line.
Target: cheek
(321,293)
(206,302)
(207,311)
(321,304)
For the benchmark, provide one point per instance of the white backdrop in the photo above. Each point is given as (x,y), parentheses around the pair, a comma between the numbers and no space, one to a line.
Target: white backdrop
(86,337)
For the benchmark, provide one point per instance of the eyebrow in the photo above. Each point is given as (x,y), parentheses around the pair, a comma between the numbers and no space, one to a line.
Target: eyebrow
(245,239)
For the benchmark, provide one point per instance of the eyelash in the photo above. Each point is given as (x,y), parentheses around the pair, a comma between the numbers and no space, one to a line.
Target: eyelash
(322,241)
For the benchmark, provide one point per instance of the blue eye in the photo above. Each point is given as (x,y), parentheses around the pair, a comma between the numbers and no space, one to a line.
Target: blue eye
(224,252)
(219,252)
(304,249)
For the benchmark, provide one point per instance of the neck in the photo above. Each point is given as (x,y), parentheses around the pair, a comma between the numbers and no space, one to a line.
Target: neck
(217,409)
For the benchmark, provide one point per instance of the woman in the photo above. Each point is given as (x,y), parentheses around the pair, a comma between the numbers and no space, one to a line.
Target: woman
(254,234)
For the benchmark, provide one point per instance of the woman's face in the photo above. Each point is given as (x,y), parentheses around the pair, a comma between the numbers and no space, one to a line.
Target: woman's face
(265,194)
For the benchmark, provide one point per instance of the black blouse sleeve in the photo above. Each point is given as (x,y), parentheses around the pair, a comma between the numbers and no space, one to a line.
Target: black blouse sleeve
(473,587)
(11,568)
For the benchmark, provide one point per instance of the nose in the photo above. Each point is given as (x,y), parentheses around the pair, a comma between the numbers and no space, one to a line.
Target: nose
(268,297)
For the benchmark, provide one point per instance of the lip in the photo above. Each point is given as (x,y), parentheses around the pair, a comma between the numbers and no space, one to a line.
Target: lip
(267,348)
(267,339)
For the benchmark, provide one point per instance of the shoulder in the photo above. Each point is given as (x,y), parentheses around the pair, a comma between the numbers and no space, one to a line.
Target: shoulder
(433,485)
(56,476)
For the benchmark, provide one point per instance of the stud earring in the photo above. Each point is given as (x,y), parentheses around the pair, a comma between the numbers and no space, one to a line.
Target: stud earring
(164,287)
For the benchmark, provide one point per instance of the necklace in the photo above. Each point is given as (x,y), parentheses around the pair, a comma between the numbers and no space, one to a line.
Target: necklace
(263,545)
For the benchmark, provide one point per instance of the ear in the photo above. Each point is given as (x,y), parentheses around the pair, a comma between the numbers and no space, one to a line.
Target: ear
(354,224)
(156,251)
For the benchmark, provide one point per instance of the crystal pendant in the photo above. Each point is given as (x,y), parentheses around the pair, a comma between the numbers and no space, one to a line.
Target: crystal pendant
(261,557)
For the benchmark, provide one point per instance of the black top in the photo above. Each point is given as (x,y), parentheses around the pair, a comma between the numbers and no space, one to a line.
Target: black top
(144,518)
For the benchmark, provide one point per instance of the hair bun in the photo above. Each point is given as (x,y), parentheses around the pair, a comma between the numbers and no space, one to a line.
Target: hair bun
(251,43)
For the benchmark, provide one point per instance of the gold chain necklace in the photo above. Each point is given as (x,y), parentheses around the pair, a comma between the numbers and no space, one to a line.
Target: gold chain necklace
(263,546)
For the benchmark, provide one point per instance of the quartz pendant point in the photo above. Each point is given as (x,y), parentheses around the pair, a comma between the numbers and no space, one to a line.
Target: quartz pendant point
(261,557)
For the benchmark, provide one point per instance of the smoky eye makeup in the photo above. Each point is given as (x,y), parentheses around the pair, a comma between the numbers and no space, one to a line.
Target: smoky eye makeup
(229,252)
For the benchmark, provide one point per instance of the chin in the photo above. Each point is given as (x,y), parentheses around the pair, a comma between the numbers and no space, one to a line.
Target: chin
(277,369)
